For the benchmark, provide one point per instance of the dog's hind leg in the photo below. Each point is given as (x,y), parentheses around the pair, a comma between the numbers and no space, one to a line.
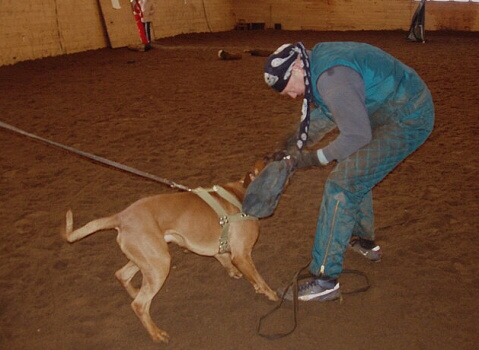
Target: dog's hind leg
(125,275)
(151,255)
(153,278)
(225,260)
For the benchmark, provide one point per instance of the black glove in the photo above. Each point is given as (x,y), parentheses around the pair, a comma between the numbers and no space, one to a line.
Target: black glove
(300,160)
(306,159)
(280,155)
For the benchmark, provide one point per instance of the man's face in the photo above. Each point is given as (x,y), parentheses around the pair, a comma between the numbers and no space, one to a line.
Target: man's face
(295,86)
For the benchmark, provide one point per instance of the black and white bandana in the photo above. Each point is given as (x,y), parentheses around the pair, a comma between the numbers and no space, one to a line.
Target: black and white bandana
(277,72)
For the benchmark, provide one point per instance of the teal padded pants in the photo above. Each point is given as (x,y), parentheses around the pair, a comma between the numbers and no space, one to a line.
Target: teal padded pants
(346,207)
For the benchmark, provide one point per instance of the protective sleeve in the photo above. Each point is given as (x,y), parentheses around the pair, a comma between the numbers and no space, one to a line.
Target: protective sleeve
(342,91)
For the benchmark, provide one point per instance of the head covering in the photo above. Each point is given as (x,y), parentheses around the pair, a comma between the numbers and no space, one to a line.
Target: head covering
(277,72)
(278,67)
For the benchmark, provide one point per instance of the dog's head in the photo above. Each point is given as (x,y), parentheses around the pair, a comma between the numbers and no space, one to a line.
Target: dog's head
(257,168)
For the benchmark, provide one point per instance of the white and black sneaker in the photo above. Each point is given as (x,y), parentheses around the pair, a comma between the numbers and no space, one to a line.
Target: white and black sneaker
(313,289)
(367,248)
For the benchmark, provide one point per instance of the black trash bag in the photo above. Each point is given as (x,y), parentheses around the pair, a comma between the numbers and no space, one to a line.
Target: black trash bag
(263,193)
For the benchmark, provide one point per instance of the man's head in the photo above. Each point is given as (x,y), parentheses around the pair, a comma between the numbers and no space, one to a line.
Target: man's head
(288,71)
(279,66)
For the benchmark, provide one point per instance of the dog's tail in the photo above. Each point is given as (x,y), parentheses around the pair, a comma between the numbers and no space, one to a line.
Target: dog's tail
(105,223)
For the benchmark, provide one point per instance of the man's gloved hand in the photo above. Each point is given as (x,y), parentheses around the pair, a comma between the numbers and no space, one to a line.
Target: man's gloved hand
(300,160)
(280,155)
(306,159)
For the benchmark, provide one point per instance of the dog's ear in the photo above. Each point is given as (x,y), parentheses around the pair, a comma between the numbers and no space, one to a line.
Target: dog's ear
(247,179)
(266,160)
(258,167)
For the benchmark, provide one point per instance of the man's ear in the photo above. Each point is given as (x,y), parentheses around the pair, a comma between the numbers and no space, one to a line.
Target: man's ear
(298,62)
(297,67)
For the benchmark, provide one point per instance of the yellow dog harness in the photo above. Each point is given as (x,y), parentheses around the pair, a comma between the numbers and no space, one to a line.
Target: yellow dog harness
(224,218)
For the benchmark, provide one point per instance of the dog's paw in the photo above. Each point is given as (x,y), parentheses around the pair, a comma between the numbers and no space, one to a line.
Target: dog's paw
(268,292)
(234,273)
(273,296)
(160,336)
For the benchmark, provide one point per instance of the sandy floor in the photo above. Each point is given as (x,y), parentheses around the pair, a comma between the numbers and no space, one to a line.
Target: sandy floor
(182,114)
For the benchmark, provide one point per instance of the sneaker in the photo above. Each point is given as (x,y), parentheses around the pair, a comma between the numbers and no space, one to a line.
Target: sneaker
(366,248)
(313,290)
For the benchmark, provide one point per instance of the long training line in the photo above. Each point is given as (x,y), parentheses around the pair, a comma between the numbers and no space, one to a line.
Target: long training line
(96,158)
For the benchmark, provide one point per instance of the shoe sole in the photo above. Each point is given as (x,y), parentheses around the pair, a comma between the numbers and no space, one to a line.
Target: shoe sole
(329,296)
(334,294)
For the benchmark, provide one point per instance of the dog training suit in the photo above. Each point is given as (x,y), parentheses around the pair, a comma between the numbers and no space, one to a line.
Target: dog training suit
(384,112)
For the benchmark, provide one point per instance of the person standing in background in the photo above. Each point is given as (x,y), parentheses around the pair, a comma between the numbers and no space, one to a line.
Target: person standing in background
(147,9)
(143,11)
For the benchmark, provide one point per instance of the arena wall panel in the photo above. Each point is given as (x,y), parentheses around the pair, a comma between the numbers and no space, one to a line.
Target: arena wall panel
(32,29)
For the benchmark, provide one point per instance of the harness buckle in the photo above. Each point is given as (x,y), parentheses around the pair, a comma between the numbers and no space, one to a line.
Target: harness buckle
(224,220)
(224,247)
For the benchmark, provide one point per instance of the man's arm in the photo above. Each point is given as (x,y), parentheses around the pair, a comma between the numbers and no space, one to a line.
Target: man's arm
(343,92)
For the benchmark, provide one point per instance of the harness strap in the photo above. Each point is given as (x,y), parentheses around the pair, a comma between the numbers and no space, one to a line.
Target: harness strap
(224,218)
(228,196)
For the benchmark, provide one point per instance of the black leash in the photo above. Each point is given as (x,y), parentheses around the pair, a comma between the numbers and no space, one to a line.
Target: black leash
(294,284)
(96,158)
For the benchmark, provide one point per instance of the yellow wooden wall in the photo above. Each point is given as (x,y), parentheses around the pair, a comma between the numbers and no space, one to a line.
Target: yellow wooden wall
(341,15)
(31,29)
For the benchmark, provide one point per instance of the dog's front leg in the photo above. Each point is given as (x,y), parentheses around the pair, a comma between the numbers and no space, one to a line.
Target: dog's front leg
(245,264)
(225,260)
(242,238)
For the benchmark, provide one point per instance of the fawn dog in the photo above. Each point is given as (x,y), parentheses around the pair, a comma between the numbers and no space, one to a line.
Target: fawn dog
(147,226)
